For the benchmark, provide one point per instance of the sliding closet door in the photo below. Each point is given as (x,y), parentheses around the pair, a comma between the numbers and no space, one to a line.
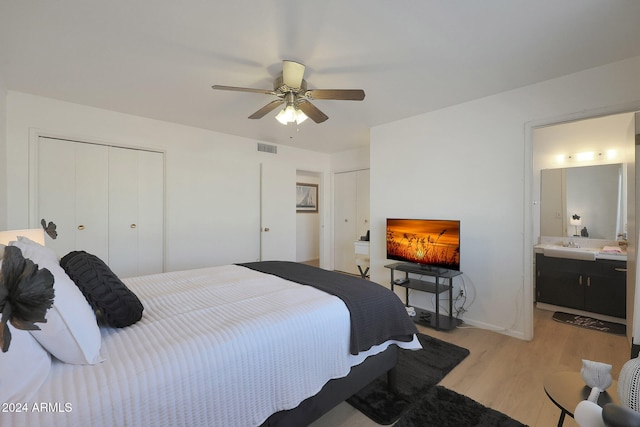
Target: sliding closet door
(72,193)
(123,211)
(345,218)
(135,211)
(92,216)
(108,201)
(351,216)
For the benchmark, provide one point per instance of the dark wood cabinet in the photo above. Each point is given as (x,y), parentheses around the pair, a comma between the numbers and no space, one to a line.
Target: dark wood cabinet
(595,286)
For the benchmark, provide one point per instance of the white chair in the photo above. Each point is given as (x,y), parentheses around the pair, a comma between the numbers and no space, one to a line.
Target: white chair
(362,257)
(363,266)
(589,414)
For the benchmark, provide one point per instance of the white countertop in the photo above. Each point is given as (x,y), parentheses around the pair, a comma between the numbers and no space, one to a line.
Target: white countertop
(585,253)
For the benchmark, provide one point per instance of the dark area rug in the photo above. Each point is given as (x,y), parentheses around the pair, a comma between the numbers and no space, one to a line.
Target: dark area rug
(590,323)
(441,407)
(417,372)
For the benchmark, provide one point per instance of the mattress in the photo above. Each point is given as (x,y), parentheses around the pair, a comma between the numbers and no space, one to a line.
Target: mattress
(220,346)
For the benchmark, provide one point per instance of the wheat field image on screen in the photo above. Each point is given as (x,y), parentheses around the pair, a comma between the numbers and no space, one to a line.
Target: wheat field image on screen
(430,242)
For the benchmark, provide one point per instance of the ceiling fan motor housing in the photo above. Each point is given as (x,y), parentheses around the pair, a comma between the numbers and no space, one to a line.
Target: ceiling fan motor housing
(281,88)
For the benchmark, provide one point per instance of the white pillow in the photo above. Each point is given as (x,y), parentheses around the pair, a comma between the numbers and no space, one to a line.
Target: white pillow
(23,368)
(71,332)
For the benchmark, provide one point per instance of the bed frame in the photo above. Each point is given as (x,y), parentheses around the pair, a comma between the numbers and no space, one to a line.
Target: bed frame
(339,390)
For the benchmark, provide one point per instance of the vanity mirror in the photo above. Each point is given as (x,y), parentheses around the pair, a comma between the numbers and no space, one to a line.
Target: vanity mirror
(596,194)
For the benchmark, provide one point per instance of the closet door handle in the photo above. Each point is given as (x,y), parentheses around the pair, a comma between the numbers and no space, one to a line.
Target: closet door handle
(133,226)
(81,227)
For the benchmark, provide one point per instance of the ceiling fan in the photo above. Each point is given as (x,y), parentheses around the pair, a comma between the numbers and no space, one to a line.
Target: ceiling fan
(291,89)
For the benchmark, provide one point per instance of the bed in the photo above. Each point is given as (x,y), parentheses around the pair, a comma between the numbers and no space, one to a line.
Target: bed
(234,345)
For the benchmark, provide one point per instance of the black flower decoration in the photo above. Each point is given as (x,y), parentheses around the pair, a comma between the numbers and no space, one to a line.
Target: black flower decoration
(26,294)
(49,228)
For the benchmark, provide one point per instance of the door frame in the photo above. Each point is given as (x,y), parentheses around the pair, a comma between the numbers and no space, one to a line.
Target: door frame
(319,177)
(529,206)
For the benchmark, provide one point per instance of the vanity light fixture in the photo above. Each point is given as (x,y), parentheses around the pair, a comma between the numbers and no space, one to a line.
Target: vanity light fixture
(585,156)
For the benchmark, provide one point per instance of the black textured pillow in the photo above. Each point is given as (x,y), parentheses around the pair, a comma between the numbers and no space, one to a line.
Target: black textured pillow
(114,304)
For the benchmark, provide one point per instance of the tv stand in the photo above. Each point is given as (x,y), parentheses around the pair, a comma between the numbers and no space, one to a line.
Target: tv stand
(426,317)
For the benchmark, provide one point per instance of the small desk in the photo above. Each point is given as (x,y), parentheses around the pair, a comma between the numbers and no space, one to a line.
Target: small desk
(567,389)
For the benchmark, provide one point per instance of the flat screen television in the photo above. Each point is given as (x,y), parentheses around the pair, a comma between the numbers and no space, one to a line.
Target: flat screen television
(433,244)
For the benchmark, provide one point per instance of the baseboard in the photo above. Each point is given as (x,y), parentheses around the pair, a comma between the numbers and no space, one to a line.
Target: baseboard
(495,328)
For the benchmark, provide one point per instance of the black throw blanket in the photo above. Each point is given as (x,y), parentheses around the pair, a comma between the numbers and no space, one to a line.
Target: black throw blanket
(377,314)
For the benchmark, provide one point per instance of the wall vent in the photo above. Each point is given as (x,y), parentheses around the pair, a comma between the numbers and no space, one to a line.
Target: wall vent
(266,148)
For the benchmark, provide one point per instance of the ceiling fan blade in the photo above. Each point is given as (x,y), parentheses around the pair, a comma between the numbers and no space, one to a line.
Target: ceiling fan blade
(341,94)
(312,111)
(243,89)
(266,109)
(292,74)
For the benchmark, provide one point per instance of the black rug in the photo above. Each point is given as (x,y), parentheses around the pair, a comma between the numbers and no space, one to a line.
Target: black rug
(441,407)
(590,323)
(417,372)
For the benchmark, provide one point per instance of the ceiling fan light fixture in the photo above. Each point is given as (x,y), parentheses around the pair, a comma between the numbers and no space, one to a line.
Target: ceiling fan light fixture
(300,117)
(291,114)
(291,89)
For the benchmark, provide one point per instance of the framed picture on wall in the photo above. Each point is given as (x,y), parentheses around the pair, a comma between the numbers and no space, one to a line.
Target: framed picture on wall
(306,197)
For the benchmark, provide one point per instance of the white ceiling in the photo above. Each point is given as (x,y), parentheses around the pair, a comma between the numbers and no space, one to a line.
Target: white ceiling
(159,58)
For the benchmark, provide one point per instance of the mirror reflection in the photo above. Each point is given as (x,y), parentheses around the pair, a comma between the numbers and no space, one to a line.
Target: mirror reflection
(583,201)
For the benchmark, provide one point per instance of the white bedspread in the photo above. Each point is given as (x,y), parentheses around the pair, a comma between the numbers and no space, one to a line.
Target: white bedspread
(222,346)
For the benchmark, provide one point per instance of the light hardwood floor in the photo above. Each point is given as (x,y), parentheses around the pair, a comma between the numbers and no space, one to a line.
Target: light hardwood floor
(507,374)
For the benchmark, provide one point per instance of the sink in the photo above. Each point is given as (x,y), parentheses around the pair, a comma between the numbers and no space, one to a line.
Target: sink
(585,254)
(590,250)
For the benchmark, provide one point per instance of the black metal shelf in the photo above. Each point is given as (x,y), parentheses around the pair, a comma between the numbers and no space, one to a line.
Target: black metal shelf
(424,286)
(426,317)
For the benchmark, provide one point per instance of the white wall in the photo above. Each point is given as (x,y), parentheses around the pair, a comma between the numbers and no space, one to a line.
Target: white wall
(3,155)
(473,162)
(212,179)
(350,160)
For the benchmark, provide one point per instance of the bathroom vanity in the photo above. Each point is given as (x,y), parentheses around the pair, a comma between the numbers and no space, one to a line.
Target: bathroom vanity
(580,265)
(583,279)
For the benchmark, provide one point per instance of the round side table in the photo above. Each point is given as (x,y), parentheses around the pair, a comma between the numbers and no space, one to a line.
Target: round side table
(567,389)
